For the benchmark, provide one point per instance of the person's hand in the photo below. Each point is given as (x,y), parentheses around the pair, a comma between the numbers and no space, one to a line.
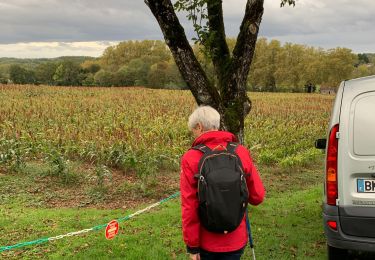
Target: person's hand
(195,257)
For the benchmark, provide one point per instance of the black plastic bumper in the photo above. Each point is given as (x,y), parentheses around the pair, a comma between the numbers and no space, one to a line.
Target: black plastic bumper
(339,239)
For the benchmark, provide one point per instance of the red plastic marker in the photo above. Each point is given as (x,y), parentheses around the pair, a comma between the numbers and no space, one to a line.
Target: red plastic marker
(112,230)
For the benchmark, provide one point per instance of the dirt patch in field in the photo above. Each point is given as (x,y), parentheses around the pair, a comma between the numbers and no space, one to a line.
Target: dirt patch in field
(125,190)
(118,190)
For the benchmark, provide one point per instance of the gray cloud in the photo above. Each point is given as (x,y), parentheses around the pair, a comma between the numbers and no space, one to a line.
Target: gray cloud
(53,49)
(323,23)
(75,20)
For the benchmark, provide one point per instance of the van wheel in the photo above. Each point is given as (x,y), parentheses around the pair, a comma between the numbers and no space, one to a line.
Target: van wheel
(336,253)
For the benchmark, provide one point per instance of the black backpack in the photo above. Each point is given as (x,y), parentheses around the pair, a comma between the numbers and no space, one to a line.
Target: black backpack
(222,189)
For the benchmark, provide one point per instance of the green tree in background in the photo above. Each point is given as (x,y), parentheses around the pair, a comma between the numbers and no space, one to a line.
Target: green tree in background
(361,71)
(339,65)
(89,80)
(3,79)
(67,74)
(103,78)
(312,72)
(115,57)
(89,69)
(20,75)
(293,64)
(92,68)
(265,66)
(157,76)
(135,72)
(363,58)
(45,73)
(173,77)
(120,78)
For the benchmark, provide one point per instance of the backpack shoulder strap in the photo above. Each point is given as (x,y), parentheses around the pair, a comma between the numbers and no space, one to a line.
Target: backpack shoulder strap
(206,151)
(231,147)
(203,148)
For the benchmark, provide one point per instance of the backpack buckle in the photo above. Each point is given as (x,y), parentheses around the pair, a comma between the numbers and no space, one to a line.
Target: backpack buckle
(199,177)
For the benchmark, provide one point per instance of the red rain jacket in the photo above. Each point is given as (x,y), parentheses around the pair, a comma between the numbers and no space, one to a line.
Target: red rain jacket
(195,235)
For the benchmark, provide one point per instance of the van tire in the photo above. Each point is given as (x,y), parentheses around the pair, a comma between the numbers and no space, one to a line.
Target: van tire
(335,253)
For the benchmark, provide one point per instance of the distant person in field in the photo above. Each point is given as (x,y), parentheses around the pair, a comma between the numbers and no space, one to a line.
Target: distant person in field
(215,190)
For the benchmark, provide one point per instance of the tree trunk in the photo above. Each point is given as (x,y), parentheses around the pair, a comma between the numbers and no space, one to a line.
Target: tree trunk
(229,96)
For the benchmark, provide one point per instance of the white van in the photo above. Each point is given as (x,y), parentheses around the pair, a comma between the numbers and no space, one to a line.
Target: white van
(349,193)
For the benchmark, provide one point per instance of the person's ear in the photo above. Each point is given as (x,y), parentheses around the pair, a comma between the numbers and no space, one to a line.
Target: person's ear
(199,127)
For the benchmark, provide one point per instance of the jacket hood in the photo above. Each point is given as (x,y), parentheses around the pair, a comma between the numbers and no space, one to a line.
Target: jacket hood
(213,137)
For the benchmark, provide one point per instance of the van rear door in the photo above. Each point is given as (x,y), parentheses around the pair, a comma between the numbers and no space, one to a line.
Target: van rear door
(356,159)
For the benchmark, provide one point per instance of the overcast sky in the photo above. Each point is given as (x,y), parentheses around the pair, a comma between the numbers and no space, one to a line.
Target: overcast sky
(52,28)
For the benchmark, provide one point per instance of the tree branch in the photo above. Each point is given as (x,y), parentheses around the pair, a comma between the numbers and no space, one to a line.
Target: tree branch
(216,42)
(243,53)
(203,91)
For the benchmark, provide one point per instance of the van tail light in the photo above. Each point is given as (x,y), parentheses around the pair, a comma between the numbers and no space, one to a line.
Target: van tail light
(332,224)
(331,166)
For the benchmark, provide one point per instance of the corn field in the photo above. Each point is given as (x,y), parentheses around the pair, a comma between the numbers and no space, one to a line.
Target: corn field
(145,130)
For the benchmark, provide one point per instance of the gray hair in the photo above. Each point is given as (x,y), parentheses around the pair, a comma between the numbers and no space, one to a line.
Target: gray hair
(207,116)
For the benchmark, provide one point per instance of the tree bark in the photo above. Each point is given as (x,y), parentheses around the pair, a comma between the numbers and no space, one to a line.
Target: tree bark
(216,42)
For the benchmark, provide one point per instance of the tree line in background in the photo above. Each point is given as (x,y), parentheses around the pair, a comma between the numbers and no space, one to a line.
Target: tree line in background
(276,67)
(292,67)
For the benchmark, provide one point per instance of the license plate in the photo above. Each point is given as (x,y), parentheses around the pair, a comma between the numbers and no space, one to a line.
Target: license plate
(365,185)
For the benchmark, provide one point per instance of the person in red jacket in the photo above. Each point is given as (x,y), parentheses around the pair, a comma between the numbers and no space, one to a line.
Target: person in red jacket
(204,123)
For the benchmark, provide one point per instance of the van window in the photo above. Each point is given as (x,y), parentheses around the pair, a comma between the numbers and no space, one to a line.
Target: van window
(364,125)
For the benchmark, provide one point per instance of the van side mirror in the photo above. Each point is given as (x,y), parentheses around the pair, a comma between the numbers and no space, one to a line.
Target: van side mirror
(321,143)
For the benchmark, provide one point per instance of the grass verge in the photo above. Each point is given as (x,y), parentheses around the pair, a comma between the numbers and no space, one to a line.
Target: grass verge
(284,227)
